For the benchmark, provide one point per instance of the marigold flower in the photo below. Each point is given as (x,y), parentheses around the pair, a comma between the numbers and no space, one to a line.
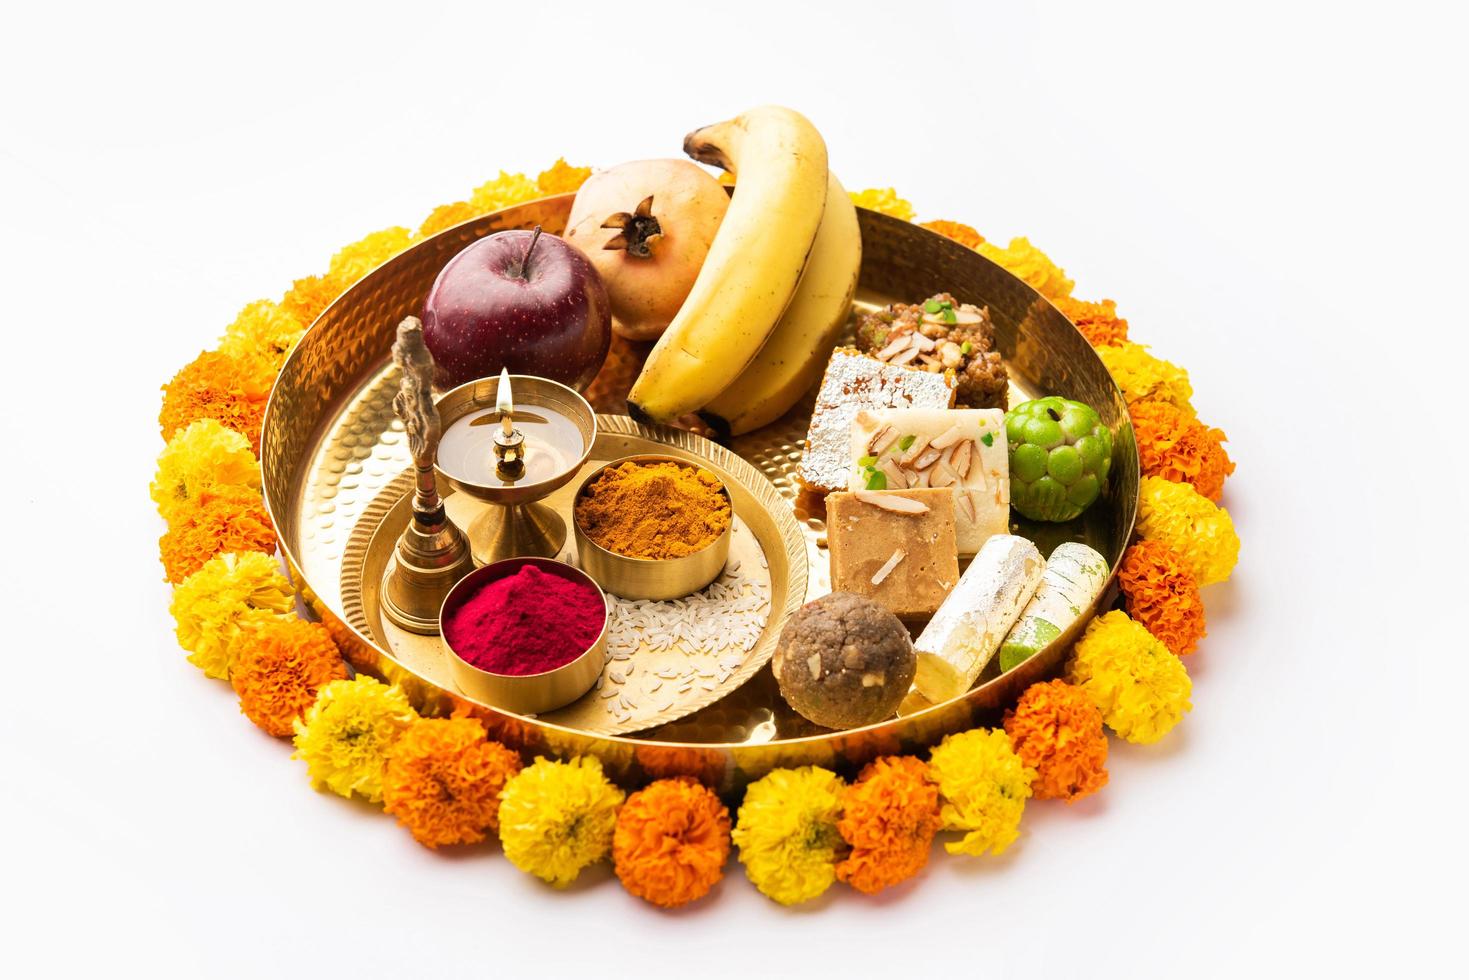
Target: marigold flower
(561,178)
(890,815)
(787,833)
(1178,447)
(1141,376)
(1098,322)
(984,786)
(280,665)
(443,781)
(1162,594)
(446,216)
(557,818)
(1057,730)
(263,331)
(308,298)
(961,233)
(345,735)
(217,386)
(671,842)
(203,455)
(1137,683)
(1199,531)
(884,200)
(1029,263)
(354,261)
(503,191)
(227,595)
(223,519)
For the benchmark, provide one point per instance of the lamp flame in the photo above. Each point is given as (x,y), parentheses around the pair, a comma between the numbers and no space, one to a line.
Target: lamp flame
(505,403)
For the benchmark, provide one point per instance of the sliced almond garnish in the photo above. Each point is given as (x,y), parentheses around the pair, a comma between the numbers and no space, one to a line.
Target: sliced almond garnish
(896,344)
(966,504)
(920,480)
(888,566)
(959,459)
(915,450)
(942,477)
(892,502)
(905,356)
(967,316)
(897,479)
(928,458)
(950,436)
(976,468)
(881,439)
(923,343)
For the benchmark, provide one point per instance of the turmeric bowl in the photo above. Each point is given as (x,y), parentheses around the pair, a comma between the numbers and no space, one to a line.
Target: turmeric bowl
(649,578)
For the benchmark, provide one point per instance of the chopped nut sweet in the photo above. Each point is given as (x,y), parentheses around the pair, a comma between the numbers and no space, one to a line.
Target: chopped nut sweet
(884,547)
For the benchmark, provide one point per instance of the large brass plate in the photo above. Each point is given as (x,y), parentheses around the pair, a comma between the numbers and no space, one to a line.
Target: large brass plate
(332,445)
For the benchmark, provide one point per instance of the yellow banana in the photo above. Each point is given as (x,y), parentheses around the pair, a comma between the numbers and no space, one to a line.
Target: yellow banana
(753,266)
(794,356)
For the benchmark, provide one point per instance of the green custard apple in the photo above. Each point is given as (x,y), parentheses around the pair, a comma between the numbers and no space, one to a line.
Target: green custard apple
(1060,455)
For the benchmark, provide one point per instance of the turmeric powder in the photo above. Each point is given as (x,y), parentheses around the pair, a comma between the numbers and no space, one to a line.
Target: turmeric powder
(654,509)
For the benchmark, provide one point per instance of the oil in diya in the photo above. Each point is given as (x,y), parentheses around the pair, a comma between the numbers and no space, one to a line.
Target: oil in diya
(505,446)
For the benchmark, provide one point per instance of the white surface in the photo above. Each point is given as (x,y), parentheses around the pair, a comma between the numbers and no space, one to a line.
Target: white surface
(1272,194)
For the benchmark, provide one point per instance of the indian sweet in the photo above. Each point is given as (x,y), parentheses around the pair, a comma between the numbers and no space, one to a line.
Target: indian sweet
(843,661)
(655,509)
(647,226)
(968,628)
(894,546)
(1072,580)
(854,382)
(962,450)
(941,334)
(1060,455)
(526,623)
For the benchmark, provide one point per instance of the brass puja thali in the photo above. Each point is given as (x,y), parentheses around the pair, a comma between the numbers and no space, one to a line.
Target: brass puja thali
(339,481)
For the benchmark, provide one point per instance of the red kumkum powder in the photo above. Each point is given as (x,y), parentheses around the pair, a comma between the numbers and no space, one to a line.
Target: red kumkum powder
(526,623)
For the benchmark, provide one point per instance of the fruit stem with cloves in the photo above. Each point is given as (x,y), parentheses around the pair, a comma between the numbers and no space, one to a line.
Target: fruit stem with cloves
(525,259)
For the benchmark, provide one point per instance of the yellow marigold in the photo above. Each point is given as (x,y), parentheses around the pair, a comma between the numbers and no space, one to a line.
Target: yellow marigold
(443,781)
(1031,264)
(446,216)
(1057,731)
(561,178)
(984,786)
(214,605)
(228,389)
(1141,376)
(885,200)
(961,233)
(787,833)
(222,520)
(1161,593)
(671,842)
(504,191)
(309,297)
(354,261)
(1137,683)
(201,456)
(263,330)
(279,667)
(556,818)
(345,735)
(1098,322)
(1178,447)
(1199,531)
(890,815)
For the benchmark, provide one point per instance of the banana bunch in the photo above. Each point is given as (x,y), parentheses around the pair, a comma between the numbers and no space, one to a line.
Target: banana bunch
(774,291)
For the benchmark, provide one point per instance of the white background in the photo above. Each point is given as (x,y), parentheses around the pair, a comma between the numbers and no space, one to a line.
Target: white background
(1274,195)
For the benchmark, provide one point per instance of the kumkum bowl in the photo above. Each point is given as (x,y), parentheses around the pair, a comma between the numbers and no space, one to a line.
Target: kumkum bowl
(650,578)
(525,694)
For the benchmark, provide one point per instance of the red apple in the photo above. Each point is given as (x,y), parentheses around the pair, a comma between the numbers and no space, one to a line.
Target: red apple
(519,300)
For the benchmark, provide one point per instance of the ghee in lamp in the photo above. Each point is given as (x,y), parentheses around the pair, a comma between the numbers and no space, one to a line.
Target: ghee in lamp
(552,444)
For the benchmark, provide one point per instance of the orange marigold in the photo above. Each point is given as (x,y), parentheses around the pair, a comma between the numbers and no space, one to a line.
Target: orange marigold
(223,520)
(281,664)
(961,233)
(671,842)
(447,216)
(889,817)
(1174,445)
(1161,593)
(216,386)
(443,781)
(1098,322)
(307,298)
(1057,731)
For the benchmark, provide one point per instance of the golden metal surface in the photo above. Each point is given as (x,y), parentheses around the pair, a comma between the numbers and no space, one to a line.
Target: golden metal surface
(525,694)
(646,578)
(330,448)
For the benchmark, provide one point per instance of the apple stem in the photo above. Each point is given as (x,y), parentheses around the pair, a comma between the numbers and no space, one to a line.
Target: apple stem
(525,259)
